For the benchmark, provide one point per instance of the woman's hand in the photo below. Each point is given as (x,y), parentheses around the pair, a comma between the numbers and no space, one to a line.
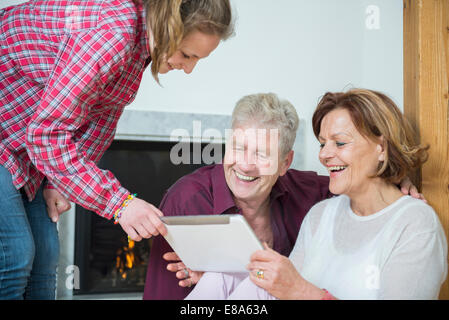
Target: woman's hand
(56,203)
(187,276)
(276,274)
(141,219)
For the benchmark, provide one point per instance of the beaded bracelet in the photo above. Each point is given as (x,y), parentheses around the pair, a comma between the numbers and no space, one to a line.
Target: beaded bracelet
(119,211)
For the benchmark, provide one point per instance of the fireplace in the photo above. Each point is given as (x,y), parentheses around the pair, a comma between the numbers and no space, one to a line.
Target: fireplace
(107,262)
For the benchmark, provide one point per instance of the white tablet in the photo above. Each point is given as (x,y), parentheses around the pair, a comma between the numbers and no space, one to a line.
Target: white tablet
(220,243)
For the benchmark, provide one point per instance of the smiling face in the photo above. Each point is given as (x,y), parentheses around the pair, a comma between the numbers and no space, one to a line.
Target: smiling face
(350,158)
(195,46)
(252,162)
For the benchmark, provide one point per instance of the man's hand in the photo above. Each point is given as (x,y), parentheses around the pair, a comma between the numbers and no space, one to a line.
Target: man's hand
(56,203)
(408,188)
(140,219)
(187,276)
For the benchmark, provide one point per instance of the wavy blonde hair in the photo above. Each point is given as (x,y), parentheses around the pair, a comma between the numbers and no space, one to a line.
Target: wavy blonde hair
(376,116)
(171,20)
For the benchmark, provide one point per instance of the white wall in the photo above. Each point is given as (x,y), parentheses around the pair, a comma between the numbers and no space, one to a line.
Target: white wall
(298,49)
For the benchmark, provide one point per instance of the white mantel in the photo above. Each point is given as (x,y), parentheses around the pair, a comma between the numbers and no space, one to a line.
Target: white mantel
(162,126)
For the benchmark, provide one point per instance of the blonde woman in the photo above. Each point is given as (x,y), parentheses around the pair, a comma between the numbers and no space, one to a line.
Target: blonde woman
(67,70)
(369,242)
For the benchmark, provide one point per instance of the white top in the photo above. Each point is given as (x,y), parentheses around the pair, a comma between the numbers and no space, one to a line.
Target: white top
(399,252)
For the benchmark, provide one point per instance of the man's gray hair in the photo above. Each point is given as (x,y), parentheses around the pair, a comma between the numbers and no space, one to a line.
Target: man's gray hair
(269,111)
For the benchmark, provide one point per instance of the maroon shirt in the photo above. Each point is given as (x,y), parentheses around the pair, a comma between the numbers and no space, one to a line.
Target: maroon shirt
(205,192)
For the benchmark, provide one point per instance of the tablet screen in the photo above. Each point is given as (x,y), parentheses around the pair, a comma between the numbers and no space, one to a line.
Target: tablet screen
(219,243)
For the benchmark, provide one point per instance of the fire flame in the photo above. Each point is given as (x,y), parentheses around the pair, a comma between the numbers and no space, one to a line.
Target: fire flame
(125,259)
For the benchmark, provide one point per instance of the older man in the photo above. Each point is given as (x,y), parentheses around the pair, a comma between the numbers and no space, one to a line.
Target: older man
(254,180)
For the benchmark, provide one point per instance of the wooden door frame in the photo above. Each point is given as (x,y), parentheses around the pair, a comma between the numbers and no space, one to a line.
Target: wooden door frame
(426,97)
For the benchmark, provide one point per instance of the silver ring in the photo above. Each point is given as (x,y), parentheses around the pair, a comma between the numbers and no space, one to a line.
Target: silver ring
(186,273)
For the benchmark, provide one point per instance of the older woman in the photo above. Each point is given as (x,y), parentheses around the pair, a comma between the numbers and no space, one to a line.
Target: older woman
(371,241)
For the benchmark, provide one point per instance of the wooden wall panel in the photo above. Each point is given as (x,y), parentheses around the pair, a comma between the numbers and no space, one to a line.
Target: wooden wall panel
(426,97)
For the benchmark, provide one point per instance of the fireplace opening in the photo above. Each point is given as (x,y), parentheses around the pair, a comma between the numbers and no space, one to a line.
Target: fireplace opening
(107,261)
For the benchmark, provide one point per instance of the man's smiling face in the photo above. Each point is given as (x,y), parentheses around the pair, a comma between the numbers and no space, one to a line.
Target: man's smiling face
(253,163)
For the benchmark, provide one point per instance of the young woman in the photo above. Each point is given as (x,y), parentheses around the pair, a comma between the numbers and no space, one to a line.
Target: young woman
(67,70)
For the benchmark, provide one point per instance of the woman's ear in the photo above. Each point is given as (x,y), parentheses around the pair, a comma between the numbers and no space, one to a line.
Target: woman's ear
(381,149)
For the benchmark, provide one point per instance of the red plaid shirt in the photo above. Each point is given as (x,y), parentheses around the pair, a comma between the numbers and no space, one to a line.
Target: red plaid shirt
(67,70)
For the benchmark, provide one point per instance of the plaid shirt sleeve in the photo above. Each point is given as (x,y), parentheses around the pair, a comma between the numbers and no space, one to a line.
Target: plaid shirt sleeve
(88,60)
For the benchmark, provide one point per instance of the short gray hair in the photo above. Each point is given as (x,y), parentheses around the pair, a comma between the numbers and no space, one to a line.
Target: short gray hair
(268,110)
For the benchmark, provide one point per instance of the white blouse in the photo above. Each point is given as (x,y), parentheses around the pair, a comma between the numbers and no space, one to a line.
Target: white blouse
(399,252)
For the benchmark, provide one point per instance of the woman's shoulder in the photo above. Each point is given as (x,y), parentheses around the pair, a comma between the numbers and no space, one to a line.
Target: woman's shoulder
(418,215)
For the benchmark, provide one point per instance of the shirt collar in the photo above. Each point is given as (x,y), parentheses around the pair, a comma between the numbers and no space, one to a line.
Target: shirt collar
(279,189)
(222,195)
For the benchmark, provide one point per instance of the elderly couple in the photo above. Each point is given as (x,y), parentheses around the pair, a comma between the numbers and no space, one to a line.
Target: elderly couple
(370,241)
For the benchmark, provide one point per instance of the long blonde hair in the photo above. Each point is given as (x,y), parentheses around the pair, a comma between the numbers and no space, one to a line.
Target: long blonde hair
(171,20)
